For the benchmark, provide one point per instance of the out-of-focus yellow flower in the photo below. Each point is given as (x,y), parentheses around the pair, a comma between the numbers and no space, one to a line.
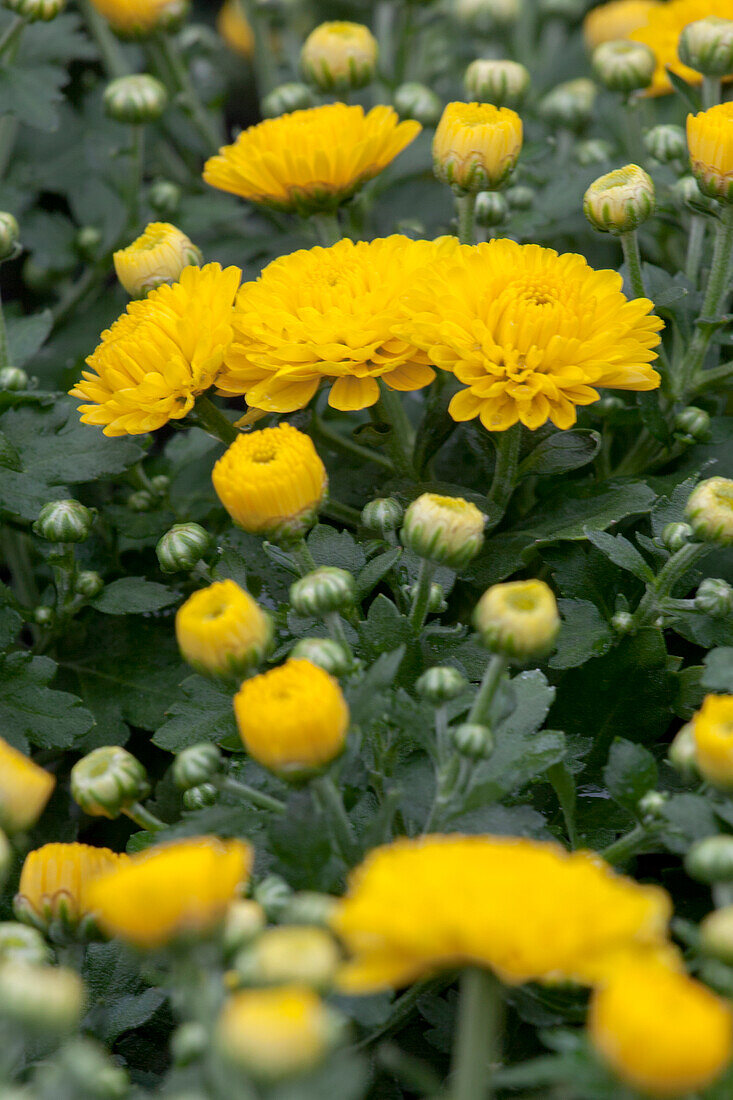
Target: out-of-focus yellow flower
(222,631)
(158,256)
(24,789)
(133,17)
(54,882)
(329,313)
(530,333)
(312,160)
(178,889)
(712,730)
(662,1032)
(339,56)
(710,139)
(528,910)
(476,145)
(662,31)
(272,482)
(160,355)
(615,20)
(291,953)
(232,25)
(292,719)
(519,619)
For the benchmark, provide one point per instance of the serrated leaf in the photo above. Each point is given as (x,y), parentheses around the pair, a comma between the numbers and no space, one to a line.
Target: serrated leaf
(622,553)
(202,712)
(375,570)
(331,547)
(718,671)
(631,771)
(31,94)
(134,596)
(561,453)
(10,620)
(33,713)
(584,634)
(26,335)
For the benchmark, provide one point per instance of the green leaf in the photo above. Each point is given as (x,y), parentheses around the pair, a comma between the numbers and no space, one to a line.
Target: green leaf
(622,553)
(26,335)
(10,620)
(385,628)
(134,596)
(689,95)
(33,713)
(584,634)
(561,453)
(9,457)
(688,817)
(202,712)
(31,94)
(718,672)
(120,1002)
(631,771)
(339,548)
(375,570)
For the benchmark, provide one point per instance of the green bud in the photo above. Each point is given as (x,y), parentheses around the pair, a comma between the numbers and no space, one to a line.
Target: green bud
(13,379)
(685,190)
(64,521)
(323,591)
(666,143)
(325,653)
(189,1043)
(624,66)
(383,515)
(165,197)
(9,236)
(140,501)
(707,46)
(36,10)
(682,754)
(44,615)
(623,622)
(19,943)
(45,999)
(107,781)
(135,99)
(89,1071)
(413,100)
(676,535)
(486,14)
(440,684)
(715,598)
(709,510)
(446,530)
(273,894)
(87,241)
(245,920)
(492,209)
(651,804)
(620,201)
(473,740)
(436,597)
(198,798)
(503,83)
(287,98)
(693,422)
(716,934)
(88,584)
(593,151)
(161,483)
(569,106)
(196,765)
(309,907)
(519,198)
(173,15)
(711,860)
(181,548)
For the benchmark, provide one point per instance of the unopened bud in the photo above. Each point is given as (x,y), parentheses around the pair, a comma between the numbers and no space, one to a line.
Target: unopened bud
(518,619)
(503,83)
(711,860)
(339,56)
(140,501)
(87,241)
(44,615)
(682,754)
(569,106)
(197,764)
(287,98)
(476,146)
(623,622)
(716,934)
(108,781)
(436,597)
(707,46)
(13,379)
(198,798)
(9,236)
(693,422)
(6,857)
(666,143)
(135,99)
(305,954)
(19,943)
(441,684)
(324,652)
(222,631)
(620,201)
(446,530)
(309,907)
(623,66)
(593,151)
(519,198)
(182,548)
(46,999)
(164,197)
(473,740)
(245,920)
(158,256)
(492,209)
(676,535)
(685,190)
(413,100)
(714,597)
(383,515)
(487,14)
(64,521)
(651,804)
(88,584)
(323,591)
(710,510)
(709,143)
(189,1042)
(36,10)
(273,894)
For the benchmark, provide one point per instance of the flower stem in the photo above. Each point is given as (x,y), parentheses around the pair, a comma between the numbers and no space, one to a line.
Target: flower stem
(4,349)
(333,805)
(477,1042)
(627,846)
(401,437)
(348,446)
(112,57)
(505,473)
(695,246)
(711,91)
(212,420)
(262,57)
(328,228)
(144,818)
(632,256)
(466,206)
(137,174)
(199,116)
(251,794)
(337,632)
(492,678)
(674,570)
(303,557)
(421,599)
(12,34)
(715,294)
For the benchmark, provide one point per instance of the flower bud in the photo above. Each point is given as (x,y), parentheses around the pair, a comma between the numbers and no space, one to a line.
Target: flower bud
(108,780)
(13,379)
(714,597)
(182,548)
(476,146)
(339,56)
(676,535)
(710,860)
(164,197)
(140,501)
(64,521)
(158,256)
(19,943)
(519,198)
(518,619)
(161,483)
(189,1043)
(305,954)
(198,798)
(593,151)
(486,14)
(682,754)
(383,515)
(222,631)
(135,99)
(666,143)
(309,907)
(327,654)
(88,584)
(197,764)
(709,509)
(473,740)
(693,422)
(710,141)
(492,209)
(569,106)
(245,920)
(650,805)
(685,190)
(52,892)
(36,10)
(87,241)
(287,98)
(323,591)
(48,999)
(716,934)
(413,100)
(503,83)
(9,236)
(446,530)
(620,201)
(173,15)
(712,730)
(707,46)
(622,622)
(440,684)
(44,615)
(273,894)
(623,66)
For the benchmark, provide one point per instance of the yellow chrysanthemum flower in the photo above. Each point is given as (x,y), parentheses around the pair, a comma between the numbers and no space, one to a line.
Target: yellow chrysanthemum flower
(710,139)
(311,160)
(222,631)
(476,145)
(528,910)
(272,482)
(662,1032)
(712,731)
(158,256)
(55,880)
(24,789)
(234,28)
(662,31)
(615,20)
(329,313)
(178,889)
(161,354)
(132,17)
(293,719)
(530,333)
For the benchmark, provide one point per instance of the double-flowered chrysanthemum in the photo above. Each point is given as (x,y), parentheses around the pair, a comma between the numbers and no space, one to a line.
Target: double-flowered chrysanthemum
(329,314)
(531,334)
(311,160)
(160,355)
(661,33)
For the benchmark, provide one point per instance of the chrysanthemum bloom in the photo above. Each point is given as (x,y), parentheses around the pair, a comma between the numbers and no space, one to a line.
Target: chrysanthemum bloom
(24,789)
(339,56)
(519,619)
(234,28)
(178,889)
(528,910)
(272,482)
(158,256)
(710,139)
(222,631)
(662,1032)
(447,530)
(709,509)
(615,20)
(476,146)
(54,882)
(160,355)
(275,1033)
(712,730)
(662,31)
(292,719)
(310,161)
(134,17)
(329,314)
(530,333)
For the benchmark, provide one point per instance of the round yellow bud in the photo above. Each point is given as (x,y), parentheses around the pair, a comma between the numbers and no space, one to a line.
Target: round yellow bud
(446,530)
(245,920)
(503,83)
(339,56)
(716,934)
(620,201)
(518,619)
(709,509)
(24,789)
(234,28)
(41,998)
(303,954)
(272,482)
(158,256)
(222,631)
(712,729)
(710,140)
(616,19)
(293,719)
(476,146)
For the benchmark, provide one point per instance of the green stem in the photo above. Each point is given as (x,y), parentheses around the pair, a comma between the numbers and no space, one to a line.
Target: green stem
(112,56)
(623,849)
(15,547)
(715,294)
(8,134)
(406,33)
(144,818)
(303,557)
(262,58)
(210,419)
(477,1044)
(337,632)
(4,349)
(713,377)
(673,572)
(328,228)
(466,206)
(251,794)
(632,256)
(421,599)
(695,245)
(712,91)
(401,437)
(199,116)
(507,446)
(348,446)
(492,678)
(333,804)
(137,174)
(12,35)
